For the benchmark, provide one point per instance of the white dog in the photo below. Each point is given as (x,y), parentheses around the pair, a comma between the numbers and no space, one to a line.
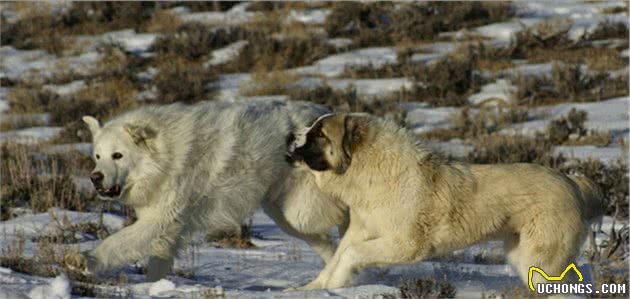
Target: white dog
(408,204)
(204,167)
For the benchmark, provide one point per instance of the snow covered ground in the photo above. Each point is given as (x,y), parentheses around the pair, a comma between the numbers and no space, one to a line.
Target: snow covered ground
(280,261)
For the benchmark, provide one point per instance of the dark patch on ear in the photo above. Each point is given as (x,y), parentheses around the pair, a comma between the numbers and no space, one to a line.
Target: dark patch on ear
(289,144)
(355,128)
(140,134)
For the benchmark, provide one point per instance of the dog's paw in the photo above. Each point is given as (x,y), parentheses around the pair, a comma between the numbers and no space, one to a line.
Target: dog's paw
(314,285)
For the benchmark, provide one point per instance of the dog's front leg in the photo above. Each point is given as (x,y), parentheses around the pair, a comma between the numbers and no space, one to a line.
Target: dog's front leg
(143,238)
(353,234)
(375,252)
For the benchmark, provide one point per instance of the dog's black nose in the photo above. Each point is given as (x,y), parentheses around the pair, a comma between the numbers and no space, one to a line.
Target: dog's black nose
(96,177)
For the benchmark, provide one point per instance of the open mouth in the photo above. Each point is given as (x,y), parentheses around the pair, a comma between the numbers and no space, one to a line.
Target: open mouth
(113,191)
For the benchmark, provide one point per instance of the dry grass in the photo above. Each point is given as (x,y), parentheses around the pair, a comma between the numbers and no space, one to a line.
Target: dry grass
(426,288)
(29,99)
(269,83)
(194,41)
(467,124)
(348,101)
(181,80)
(39,27)
(612,179)
(267,52)
(163,21)
(569,130)
(609,29)
(40,182)
(379,23)
(71,233)
(240,239)
(447,82)
(569,83)
(497,148)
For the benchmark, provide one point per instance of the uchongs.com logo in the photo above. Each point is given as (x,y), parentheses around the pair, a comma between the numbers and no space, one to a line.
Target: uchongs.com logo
(556,287)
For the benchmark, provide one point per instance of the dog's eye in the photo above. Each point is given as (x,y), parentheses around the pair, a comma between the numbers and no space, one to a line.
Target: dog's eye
(319,134)
(116,156)
(98,157)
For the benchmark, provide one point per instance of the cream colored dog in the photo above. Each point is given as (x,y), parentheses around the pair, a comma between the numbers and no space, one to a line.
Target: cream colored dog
(408,204)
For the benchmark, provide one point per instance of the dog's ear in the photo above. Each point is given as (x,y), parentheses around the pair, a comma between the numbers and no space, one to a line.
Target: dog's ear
(92,124)
(141,134)
(355,129)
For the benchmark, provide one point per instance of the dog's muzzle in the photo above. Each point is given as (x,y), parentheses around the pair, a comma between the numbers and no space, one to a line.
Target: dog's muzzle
(113,191)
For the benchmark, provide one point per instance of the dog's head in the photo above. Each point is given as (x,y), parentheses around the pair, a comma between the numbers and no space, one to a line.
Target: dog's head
(329,143)
(117,151)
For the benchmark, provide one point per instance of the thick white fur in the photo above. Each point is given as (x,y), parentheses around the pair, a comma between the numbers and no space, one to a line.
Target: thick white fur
(206,167)
(407,204)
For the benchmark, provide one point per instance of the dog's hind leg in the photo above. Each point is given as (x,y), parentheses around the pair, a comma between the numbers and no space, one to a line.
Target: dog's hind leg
(159,267)
(321,243)
(551,250)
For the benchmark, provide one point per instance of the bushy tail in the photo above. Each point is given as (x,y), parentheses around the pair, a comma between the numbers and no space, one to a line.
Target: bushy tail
(594,204)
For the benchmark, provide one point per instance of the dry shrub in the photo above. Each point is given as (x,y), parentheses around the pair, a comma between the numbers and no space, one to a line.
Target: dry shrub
(348,101)
(265,49)
(486,121)
(498,148)
(29,99)
(100,99)
(163,21)
(117,64)
(181,80)
(366,23)
(569,83)
(385,71)
(419,21)
(39,182)
(195,41)
(240,238)
(611,178)
(71,233)
(609,29)
(47,261)
(37,28)
(268,83)
(560,129)
(274,53)
(544,36)
(426,288)
(379,23)
(41,28)
(448,81)
(214,5)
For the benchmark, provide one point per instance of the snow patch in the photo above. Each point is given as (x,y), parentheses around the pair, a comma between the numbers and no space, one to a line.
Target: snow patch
(161,286)
(30,135)
(59,288)
(334,65)
(421,118)
(130,40)
(66,89)
(235,16)
(498,93)
(226,54)
(311,16)
(607,155)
